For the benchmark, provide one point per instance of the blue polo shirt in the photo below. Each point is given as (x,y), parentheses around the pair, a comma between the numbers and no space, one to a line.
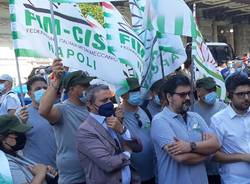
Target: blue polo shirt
(165,126)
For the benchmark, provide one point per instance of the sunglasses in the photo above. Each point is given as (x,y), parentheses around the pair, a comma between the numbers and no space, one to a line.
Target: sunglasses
(243,94)
(184,94)
(137,117)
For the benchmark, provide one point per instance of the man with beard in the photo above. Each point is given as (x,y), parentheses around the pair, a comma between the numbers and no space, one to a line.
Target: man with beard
(181,139)
(232,126)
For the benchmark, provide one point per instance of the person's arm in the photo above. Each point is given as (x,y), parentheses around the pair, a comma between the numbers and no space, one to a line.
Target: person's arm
(231,158)
(39,173)
(186,158)
(89,144)
(46,109)
(209,146)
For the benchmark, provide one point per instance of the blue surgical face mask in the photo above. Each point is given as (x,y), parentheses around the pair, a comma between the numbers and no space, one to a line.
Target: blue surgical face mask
(210,98)
(135,98)
(39,94)
(156,100)
(106,109)
(1,87)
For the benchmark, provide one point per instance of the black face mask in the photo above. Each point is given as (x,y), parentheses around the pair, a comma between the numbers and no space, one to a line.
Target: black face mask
(106,109)
(20,142)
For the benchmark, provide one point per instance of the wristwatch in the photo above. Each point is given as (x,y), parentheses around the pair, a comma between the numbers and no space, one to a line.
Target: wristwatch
(193,146)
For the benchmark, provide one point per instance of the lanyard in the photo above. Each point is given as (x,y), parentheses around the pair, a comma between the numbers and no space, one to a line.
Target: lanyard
(5,174)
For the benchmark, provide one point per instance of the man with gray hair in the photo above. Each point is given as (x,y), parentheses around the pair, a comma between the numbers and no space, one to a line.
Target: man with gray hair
(9,101)
(104,145)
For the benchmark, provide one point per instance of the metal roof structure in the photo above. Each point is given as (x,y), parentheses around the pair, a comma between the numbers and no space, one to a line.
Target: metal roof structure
(219,10)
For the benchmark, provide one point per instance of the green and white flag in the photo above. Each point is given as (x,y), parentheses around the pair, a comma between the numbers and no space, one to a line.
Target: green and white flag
(82,41)
(175,17)
(123,42)
(205,63)
(170,16)
(164,52)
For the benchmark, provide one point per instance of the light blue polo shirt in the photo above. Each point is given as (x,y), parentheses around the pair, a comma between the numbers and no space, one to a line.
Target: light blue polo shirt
(144,161)
(165,126)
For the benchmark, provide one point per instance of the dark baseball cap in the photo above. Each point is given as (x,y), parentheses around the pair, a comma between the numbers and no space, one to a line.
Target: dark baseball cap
(133,84)
(76,78)
(10,123)
(206,83)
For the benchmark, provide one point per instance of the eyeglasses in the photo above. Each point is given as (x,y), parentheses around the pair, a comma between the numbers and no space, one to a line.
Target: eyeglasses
(243,94)
(137,117)
(184,94)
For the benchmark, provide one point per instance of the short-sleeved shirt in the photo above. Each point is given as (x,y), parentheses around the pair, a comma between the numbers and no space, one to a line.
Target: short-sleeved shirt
(206,112)
(67,160)
(143,161)
(233,132)
(9,101)
(41,145)
(165,126)
(153,108)
(19,172)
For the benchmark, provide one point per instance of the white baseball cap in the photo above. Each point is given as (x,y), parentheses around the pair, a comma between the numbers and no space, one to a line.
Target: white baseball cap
(6,77)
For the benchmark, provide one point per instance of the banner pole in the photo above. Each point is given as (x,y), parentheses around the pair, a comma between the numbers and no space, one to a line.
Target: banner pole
(54,29)
(162,67)
(20,82)
(192,67)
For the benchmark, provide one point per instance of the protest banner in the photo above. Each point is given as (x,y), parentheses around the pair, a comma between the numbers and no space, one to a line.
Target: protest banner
(175,17)
(82,43)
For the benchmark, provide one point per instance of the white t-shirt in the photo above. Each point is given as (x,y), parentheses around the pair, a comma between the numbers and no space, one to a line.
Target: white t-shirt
(9,101)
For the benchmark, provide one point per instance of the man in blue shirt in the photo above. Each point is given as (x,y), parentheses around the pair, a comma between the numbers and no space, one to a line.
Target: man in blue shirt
(181,139)
(41,145)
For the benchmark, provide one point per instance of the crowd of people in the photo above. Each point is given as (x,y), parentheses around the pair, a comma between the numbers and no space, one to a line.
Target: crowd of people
(74,132)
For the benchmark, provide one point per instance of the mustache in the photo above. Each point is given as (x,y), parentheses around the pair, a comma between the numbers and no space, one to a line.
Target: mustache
(187,102)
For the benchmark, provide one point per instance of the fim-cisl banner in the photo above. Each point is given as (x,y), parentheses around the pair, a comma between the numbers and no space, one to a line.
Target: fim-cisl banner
(82,41)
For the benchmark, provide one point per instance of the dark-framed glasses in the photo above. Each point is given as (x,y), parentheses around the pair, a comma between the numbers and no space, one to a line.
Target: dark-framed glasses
(242,94)
(183,94)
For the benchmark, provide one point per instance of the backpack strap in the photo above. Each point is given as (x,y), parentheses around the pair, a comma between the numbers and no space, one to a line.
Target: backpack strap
(145,109)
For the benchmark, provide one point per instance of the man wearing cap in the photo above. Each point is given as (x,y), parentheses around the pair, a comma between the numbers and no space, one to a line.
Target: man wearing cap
(66,117)
(12,139)
(138,122)
(9,101)
(206,106)
(208,103)
(232,127)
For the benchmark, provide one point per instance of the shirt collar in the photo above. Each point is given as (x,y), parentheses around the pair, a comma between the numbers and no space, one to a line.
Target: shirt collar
(232,113)
(98,118)
(170,112)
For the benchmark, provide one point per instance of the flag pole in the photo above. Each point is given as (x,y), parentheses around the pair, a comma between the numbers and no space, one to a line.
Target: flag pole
(162,67)
(54,29)
(192,66)
(19,81)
